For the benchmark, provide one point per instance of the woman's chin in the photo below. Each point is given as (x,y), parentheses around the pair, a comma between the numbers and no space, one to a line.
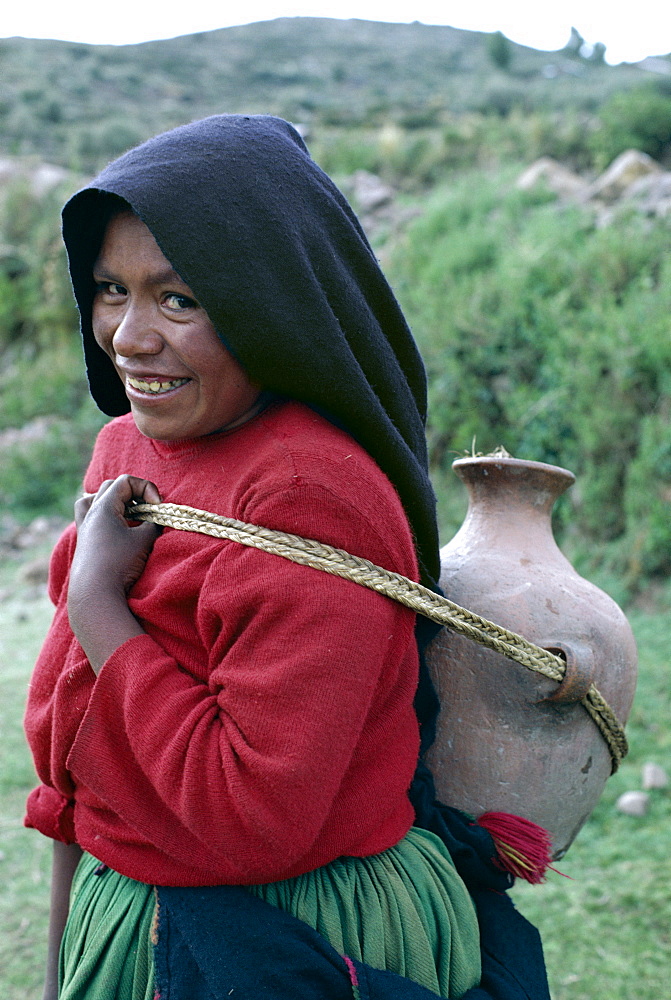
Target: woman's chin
(160,428)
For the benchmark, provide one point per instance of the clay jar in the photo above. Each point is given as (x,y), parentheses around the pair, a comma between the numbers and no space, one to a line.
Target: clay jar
(508,739)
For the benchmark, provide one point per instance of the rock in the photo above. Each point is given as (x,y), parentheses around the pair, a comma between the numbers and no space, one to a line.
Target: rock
(40,526)
(552,175)
(10,532)
(650,194)
(46,176)
(34,430)
(633,181)
(369,191)
(654,776)
(303,129)
(40,530)
(622,172)
(656,64)
(633,803)
(35,572)
(16,537)
(40,176)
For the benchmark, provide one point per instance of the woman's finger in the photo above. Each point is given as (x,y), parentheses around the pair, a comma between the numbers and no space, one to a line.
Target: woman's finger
(86,501)
(82,507)
(116,493)
(103,488)
(144,490)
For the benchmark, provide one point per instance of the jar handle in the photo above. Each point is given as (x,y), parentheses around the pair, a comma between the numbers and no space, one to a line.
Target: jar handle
(579,674)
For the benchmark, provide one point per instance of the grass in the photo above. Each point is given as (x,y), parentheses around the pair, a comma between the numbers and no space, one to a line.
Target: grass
(606,930)
(25,856)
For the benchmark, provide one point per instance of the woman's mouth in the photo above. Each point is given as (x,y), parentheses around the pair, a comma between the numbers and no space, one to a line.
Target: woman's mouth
(154,387)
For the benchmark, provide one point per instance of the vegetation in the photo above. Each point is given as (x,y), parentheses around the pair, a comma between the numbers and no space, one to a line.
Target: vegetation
(41,359)
(499,50)
(637,119)
(605,927)
(79,105)
(549,335)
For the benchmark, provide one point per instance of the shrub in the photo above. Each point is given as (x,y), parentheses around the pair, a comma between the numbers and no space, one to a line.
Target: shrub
(36,305)
(44,475)
(548,335)
(647,498)
(499,50)
(633,119)
(40,384)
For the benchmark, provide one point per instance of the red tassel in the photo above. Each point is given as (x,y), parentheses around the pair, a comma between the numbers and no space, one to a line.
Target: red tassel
(524,848)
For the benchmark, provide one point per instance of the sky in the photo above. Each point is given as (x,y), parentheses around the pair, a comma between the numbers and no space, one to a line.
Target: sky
(629,33)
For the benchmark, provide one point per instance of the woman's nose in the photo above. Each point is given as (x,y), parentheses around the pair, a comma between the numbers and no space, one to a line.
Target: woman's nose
(137,333)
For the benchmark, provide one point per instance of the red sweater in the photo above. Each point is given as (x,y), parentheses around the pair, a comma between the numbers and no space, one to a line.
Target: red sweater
(264,724)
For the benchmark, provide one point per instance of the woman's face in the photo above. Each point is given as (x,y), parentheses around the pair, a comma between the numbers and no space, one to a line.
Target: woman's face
(179,378)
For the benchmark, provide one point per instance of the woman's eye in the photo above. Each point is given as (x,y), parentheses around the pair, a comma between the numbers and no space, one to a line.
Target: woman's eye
(177,303)
(110,288)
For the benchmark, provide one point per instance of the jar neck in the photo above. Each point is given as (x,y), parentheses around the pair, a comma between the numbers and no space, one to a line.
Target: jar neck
(510,500)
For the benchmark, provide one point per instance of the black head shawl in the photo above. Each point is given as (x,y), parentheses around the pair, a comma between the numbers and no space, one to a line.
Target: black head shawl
(277,258)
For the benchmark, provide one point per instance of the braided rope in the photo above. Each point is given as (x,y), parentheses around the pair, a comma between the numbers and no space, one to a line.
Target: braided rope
(413,595)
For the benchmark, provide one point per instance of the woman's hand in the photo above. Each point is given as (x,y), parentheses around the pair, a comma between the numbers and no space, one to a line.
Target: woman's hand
(110,556)
(109,551)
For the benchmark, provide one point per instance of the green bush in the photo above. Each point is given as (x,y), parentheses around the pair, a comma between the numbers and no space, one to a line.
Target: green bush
(499,50)
(417,158)
(44,475)
(548,335)
(36,305)
(41,358)
(647,497)
(633,119)
(40,384)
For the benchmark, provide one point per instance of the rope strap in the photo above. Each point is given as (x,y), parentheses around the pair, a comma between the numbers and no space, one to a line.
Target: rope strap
(413,595)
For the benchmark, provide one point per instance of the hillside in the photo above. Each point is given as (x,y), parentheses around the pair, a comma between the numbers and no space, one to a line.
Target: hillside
(543,322)
(79,105)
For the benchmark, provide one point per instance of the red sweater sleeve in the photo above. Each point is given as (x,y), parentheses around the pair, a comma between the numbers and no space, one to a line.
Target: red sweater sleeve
(52,813)
(49,809)
(61,683)
(309,681)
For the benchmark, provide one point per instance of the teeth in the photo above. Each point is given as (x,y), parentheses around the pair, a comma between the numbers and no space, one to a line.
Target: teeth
(155,387)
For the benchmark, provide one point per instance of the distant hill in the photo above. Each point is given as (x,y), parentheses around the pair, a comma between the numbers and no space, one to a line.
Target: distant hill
(78,105)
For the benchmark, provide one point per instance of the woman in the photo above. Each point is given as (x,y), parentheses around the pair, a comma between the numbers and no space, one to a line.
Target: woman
(207,715)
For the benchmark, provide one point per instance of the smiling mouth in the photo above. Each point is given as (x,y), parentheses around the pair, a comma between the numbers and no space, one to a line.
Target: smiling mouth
(155,388)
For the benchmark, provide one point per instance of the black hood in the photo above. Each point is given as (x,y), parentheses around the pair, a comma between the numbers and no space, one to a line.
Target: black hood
(277,258)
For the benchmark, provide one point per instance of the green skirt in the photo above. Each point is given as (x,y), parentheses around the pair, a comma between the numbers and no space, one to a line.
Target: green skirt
(106,951)
(405,910)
